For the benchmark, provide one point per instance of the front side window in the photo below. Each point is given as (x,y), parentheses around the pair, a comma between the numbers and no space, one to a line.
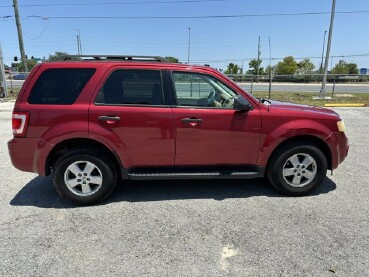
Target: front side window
(132,87)
(200,90)
(60,86)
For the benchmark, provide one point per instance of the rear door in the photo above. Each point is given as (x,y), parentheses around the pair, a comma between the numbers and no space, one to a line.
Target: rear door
(129,113)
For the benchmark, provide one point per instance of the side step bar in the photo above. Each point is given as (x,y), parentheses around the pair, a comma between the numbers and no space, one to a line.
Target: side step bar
(193,173)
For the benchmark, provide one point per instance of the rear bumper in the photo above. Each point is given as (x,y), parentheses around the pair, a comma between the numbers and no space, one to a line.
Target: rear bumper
(339,146)
(28,154)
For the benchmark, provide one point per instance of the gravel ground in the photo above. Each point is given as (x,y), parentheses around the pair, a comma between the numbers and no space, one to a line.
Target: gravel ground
(189,228)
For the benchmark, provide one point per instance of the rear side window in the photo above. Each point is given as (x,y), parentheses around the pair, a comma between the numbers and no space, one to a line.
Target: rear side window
(132,87)
(60,86)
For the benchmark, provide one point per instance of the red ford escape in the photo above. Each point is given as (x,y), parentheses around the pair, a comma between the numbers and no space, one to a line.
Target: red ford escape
(93,121)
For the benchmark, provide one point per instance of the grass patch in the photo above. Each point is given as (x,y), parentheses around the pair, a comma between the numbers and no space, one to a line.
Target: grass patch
(13,95)
(307,98)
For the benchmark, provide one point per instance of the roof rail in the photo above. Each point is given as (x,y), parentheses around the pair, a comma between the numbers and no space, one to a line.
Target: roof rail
(113,57)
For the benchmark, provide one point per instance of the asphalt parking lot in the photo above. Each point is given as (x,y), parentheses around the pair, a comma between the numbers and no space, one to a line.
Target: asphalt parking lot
(189,228)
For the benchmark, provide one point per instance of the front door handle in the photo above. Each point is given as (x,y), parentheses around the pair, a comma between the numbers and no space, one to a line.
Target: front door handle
(109,118)
(191,120)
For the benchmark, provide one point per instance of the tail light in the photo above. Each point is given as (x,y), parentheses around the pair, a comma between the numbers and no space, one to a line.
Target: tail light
(20,123)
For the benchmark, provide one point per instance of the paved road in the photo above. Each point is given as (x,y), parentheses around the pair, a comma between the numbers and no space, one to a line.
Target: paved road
(341,88)
(14,83)
(189,228)
(292,87)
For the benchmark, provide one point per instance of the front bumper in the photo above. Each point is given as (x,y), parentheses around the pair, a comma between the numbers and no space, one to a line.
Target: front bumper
(338,143)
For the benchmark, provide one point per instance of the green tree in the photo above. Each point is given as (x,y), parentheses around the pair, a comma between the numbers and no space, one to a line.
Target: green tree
(253,67)
(172,59)
(305,67)
(286,67)
(342,67)
(30,64)
(232,69)
(57,56)
(269,69)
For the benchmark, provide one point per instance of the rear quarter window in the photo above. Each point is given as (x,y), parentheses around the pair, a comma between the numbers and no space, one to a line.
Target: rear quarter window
(60,86)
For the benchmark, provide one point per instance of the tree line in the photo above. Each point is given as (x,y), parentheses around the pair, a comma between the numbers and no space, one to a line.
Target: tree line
(31,63)
(289,66)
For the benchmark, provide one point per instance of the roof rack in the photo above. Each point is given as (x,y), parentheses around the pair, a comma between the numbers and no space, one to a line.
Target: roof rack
(113,57)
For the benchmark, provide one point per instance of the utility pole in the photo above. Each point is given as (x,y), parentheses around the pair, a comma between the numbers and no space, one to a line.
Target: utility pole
(189,45)
(20,35)
(2,68)
(321,64)
(79,52)
(257,77)
(324,81)
(270,70)
(80,42)
(79,49)
(79,45)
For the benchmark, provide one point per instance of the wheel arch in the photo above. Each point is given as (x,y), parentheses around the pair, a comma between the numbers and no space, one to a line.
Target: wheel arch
(319,143)
(64,146)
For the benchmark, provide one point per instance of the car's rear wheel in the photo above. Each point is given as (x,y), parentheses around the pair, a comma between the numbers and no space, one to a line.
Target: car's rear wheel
(84,176)
(297,169)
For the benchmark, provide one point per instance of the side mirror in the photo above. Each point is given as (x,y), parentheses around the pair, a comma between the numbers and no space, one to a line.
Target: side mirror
(241,104)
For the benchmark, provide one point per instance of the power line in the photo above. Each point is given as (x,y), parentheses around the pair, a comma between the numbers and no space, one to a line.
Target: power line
(42,32)
(280,58)
(249,58)
(112,3)
(188,17)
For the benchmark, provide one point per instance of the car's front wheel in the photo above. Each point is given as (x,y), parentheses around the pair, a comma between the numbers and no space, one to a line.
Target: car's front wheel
(84,177)
(297,169)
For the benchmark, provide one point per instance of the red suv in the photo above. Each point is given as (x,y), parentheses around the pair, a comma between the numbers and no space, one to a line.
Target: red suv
(93,121)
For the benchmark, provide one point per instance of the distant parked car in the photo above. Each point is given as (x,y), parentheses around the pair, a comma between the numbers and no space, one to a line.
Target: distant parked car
(21,76)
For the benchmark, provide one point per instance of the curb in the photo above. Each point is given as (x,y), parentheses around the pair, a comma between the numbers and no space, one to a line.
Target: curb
(345,105)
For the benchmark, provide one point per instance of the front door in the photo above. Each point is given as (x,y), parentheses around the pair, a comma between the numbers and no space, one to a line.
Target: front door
(208,130)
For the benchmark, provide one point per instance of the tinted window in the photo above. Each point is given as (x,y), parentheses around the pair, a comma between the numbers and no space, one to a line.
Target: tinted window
(135,87)
(60,86)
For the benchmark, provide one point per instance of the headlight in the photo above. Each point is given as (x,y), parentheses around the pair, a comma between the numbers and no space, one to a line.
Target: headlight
(341,126)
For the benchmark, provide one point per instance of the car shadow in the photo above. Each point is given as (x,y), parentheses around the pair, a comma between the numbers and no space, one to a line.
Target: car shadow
(39,192)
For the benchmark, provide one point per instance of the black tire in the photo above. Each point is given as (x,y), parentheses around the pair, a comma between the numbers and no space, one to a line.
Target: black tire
(282,172)
(104,172)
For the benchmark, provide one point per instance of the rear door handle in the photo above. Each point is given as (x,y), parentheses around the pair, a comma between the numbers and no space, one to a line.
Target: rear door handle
(109,118)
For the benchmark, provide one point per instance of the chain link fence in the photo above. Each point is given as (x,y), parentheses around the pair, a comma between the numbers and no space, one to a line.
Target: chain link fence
(308,78)
(336,83)
(13,82)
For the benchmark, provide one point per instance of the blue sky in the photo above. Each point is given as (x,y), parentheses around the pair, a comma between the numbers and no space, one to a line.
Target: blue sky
(215,41)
